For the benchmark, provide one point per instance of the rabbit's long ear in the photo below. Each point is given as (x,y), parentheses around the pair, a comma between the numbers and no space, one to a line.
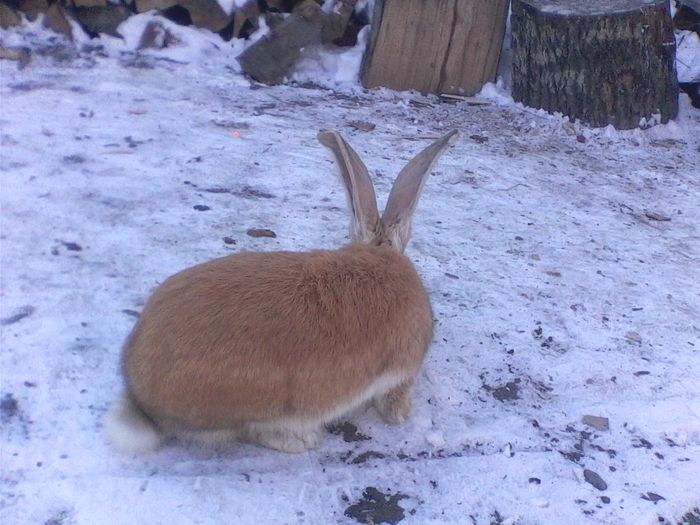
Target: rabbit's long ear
(407,189)
(359,186)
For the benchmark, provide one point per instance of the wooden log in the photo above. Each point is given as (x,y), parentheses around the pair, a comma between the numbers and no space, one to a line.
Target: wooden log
(207,14)
(8,17)
(271,59)
(32,8)
(434,46)
(101,19)
(55,19)
(600,61)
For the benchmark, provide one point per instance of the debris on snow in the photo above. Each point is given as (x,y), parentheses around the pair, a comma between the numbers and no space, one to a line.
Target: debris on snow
(260,232)
(377,507)
(597,422)
(594,479)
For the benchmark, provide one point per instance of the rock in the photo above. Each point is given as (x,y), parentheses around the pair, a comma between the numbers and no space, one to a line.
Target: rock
(597,422)
(261,232)
(594,479)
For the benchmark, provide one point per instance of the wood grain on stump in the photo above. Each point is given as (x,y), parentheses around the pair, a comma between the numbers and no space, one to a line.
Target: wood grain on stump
(434,46)
(600,61)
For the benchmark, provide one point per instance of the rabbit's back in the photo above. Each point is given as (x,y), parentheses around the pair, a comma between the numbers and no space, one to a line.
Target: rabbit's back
(283,335)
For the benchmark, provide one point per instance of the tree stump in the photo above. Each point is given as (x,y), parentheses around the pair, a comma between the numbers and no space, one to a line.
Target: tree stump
(600,61)
(434,46)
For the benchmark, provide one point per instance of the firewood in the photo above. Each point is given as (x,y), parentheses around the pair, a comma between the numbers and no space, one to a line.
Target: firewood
(435,46)
(101,19)
(603,62)
(271,59)
(55,19)
(206,14)
(20,54)
(32,8)
(8,17)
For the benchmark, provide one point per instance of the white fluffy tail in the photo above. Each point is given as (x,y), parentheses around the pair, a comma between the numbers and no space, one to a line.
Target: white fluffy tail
(129,430)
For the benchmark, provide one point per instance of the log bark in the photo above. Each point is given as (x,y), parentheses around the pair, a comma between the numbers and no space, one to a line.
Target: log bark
(601,61)
(434,46)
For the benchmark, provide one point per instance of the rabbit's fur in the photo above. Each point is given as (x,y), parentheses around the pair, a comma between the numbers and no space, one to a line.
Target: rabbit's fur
(268,347)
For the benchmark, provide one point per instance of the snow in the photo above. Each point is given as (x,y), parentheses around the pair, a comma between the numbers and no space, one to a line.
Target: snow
(229,6)
(688,56)
(331,67)
(558,286)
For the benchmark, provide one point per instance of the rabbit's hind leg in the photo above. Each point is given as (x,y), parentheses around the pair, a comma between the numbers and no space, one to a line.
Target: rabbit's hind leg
(293,438)
(395,405)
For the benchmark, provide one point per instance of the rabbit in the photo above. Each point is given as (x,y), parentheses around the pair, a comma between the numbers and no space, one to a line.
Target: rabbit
(269,347)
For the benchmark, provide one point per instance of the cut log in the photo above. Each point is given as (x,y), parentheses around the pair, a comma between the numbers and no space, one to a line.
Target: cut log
(101,19)
(207,14)
(601,61)
(89,3)
(434,46)
(246,15)
(32,8)
(271,59)
(55,19)
(8,17)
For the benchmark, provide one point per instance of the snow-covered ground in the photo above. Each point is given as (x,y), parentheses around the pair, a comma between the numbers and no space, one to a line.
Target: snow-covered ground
(563,265)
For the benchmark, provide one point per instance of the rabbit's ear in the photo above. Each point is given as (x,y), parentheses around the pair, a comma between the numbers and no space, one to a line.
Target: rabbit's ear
(407,189)
(359,186)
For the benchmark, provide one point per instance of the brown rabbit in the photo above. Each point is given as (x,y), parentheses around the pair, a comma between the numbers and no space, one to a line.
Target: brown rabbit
(268,347)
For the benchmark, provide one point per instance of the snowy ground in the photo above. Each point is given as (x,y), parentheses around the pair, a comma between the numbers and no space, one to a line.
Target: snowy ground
(563,265)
